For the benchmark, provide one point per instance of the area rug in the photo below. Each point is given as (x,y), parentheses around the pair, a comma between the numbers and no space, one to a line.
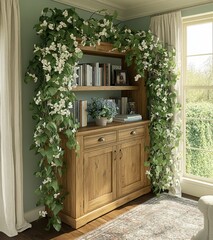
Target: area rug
(162,218)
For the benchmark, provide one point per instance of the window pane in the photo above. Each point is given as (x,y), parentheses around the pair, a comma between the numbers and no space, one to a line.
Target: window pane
(202,96)
(199,39)
(199,70)
(199,163)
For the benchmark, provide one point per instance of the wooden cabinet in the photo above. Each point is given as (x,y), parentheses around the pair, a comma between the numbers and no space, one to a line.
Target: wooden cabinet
(131,174)
(99,177)
(108,171)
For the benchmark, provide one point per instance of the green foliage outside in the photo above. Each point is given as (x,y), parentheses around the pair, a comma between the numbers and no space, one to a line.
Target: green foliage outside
(199,118)
(199,139)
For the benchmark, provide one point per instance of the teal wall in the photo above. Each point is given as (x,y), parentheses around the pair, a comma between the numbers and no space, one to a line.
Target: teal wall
(138,23)
(30,11)
(197,10)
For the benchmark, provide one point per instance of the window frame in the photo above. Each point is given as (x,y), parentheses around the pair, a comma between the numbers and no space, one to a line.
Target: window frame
(189,21)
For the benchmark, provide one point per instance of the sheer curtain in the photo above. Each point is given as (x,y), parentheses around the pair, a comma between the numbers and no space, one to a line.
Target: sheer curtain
(168,28)
(11,170)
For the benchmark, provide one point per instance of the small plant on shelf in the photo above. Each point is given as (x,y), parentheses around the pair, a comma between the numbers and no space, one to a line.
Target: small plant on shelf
(100,108)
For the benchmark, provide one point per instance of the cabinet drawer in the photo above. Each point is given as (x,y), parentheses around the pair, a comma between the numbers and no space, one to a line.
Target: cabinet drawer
(131,133)
(99,139)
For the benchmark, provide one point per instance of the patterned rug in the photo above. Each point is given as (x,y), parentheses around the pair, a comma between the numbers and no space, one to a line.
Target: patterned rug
(161,218)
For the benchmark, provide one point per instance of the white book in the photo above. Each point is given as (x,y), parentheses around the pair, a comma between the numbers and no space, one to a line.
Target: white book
(124,101)
(83,113)
(80,79)
(128,116)
(108,74)
(88,75)
(96,74)
(127,120)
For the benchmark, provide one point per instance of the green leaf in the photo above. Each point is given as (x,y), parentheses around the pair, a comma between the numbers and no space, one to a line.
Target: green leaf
(52,91)
(55,185)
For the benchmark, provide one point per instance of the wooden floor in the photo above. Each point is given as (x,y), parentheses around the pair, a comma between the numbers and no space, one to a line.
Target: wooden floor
(38,232)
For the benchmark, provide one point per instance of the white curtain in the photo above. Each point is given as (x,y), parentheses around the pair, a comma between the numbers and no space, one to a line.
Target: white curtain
(11,169)
(168,28)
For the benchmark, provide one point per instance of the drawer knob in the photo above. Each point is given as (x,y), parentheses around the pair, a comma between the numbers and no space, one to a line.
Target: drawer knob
(101,139)
(133,133)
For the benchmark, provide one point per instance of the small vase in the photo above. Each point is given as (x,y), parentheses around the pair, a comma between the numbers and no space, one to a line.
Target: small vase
(101,121)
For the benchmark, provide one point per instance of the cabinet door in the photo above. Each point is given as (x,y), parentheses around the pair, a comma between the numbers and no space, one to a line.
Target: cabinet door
(131,170)
(99,177)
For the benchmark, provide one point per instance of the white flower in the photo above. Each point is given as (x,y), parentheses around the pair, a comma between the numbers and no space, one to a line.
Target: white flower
(63,24)
(33,76)
(64,48)
(42,213)
(137,77)
(85,23)
(56,156)
(62,89)
(37,99)
(53,164)
(51,26)
(77,50)
(146,55)
(65,13)
(45,181)
(103,33)
(164,99)
(56,195)
(69,20)
(127,30)
(53,46)
(47,77)
(70,105)
(36,48)
(144,44)
(44,24)
(46,65)
(73,130)
(151,46)
(40,31)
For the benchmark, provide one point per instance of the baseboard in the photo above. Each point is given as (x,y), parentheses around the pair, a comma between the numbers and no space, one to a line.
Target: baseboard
(196,188)
(33,214)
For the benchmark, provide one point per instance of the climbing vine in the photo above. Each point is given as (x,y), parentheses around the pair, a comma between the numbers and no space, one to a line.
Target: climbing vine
(52,69)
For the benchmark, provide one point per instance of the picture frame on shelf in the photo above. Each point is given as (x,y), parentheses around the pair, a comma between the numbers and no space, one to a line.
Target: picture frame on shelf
(121,78)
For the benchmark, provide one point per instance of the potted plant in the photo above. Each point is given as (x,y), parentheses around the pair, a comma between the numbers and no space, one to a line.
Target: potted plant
(102,110)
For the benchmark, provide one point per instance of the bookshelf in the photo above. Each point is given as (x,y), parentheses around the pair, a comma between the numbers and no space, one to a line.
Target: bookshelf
(108,170)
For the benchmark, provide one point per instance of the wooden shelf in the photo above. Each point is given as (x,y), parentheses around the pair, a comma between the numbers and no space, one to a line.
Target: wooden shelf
(104,88)
(104,49)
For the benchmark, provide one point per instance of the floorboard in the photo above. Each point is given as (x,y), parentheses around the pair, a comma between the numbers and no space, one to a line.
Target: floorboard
(38,232)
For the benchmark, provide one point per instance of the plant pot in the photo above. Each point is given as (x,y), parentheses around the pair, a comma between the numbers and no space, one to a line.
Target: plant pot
(101,121)
(110,120)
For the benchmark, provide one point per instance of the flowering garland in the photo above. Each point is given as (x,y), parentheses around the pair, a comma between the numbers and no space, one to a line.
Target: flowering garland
(52,69)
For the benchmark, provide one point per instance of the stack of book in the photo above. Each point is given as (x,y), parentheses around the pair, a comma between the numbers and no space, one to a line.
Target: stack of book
(79,112)
(127,118)
(95,74)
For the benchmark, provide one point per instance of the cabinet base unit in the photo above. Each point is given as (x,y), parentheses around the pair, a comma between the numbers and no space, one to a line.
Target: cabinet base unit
(107,172)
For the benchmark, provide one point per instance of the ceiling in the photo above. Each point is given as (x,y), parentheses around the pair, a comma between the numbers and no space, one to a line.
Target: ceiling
(130,9)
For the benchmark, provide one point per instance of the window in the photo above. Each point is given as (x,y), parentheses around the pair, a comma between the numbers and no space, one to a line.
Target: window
(198,97)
